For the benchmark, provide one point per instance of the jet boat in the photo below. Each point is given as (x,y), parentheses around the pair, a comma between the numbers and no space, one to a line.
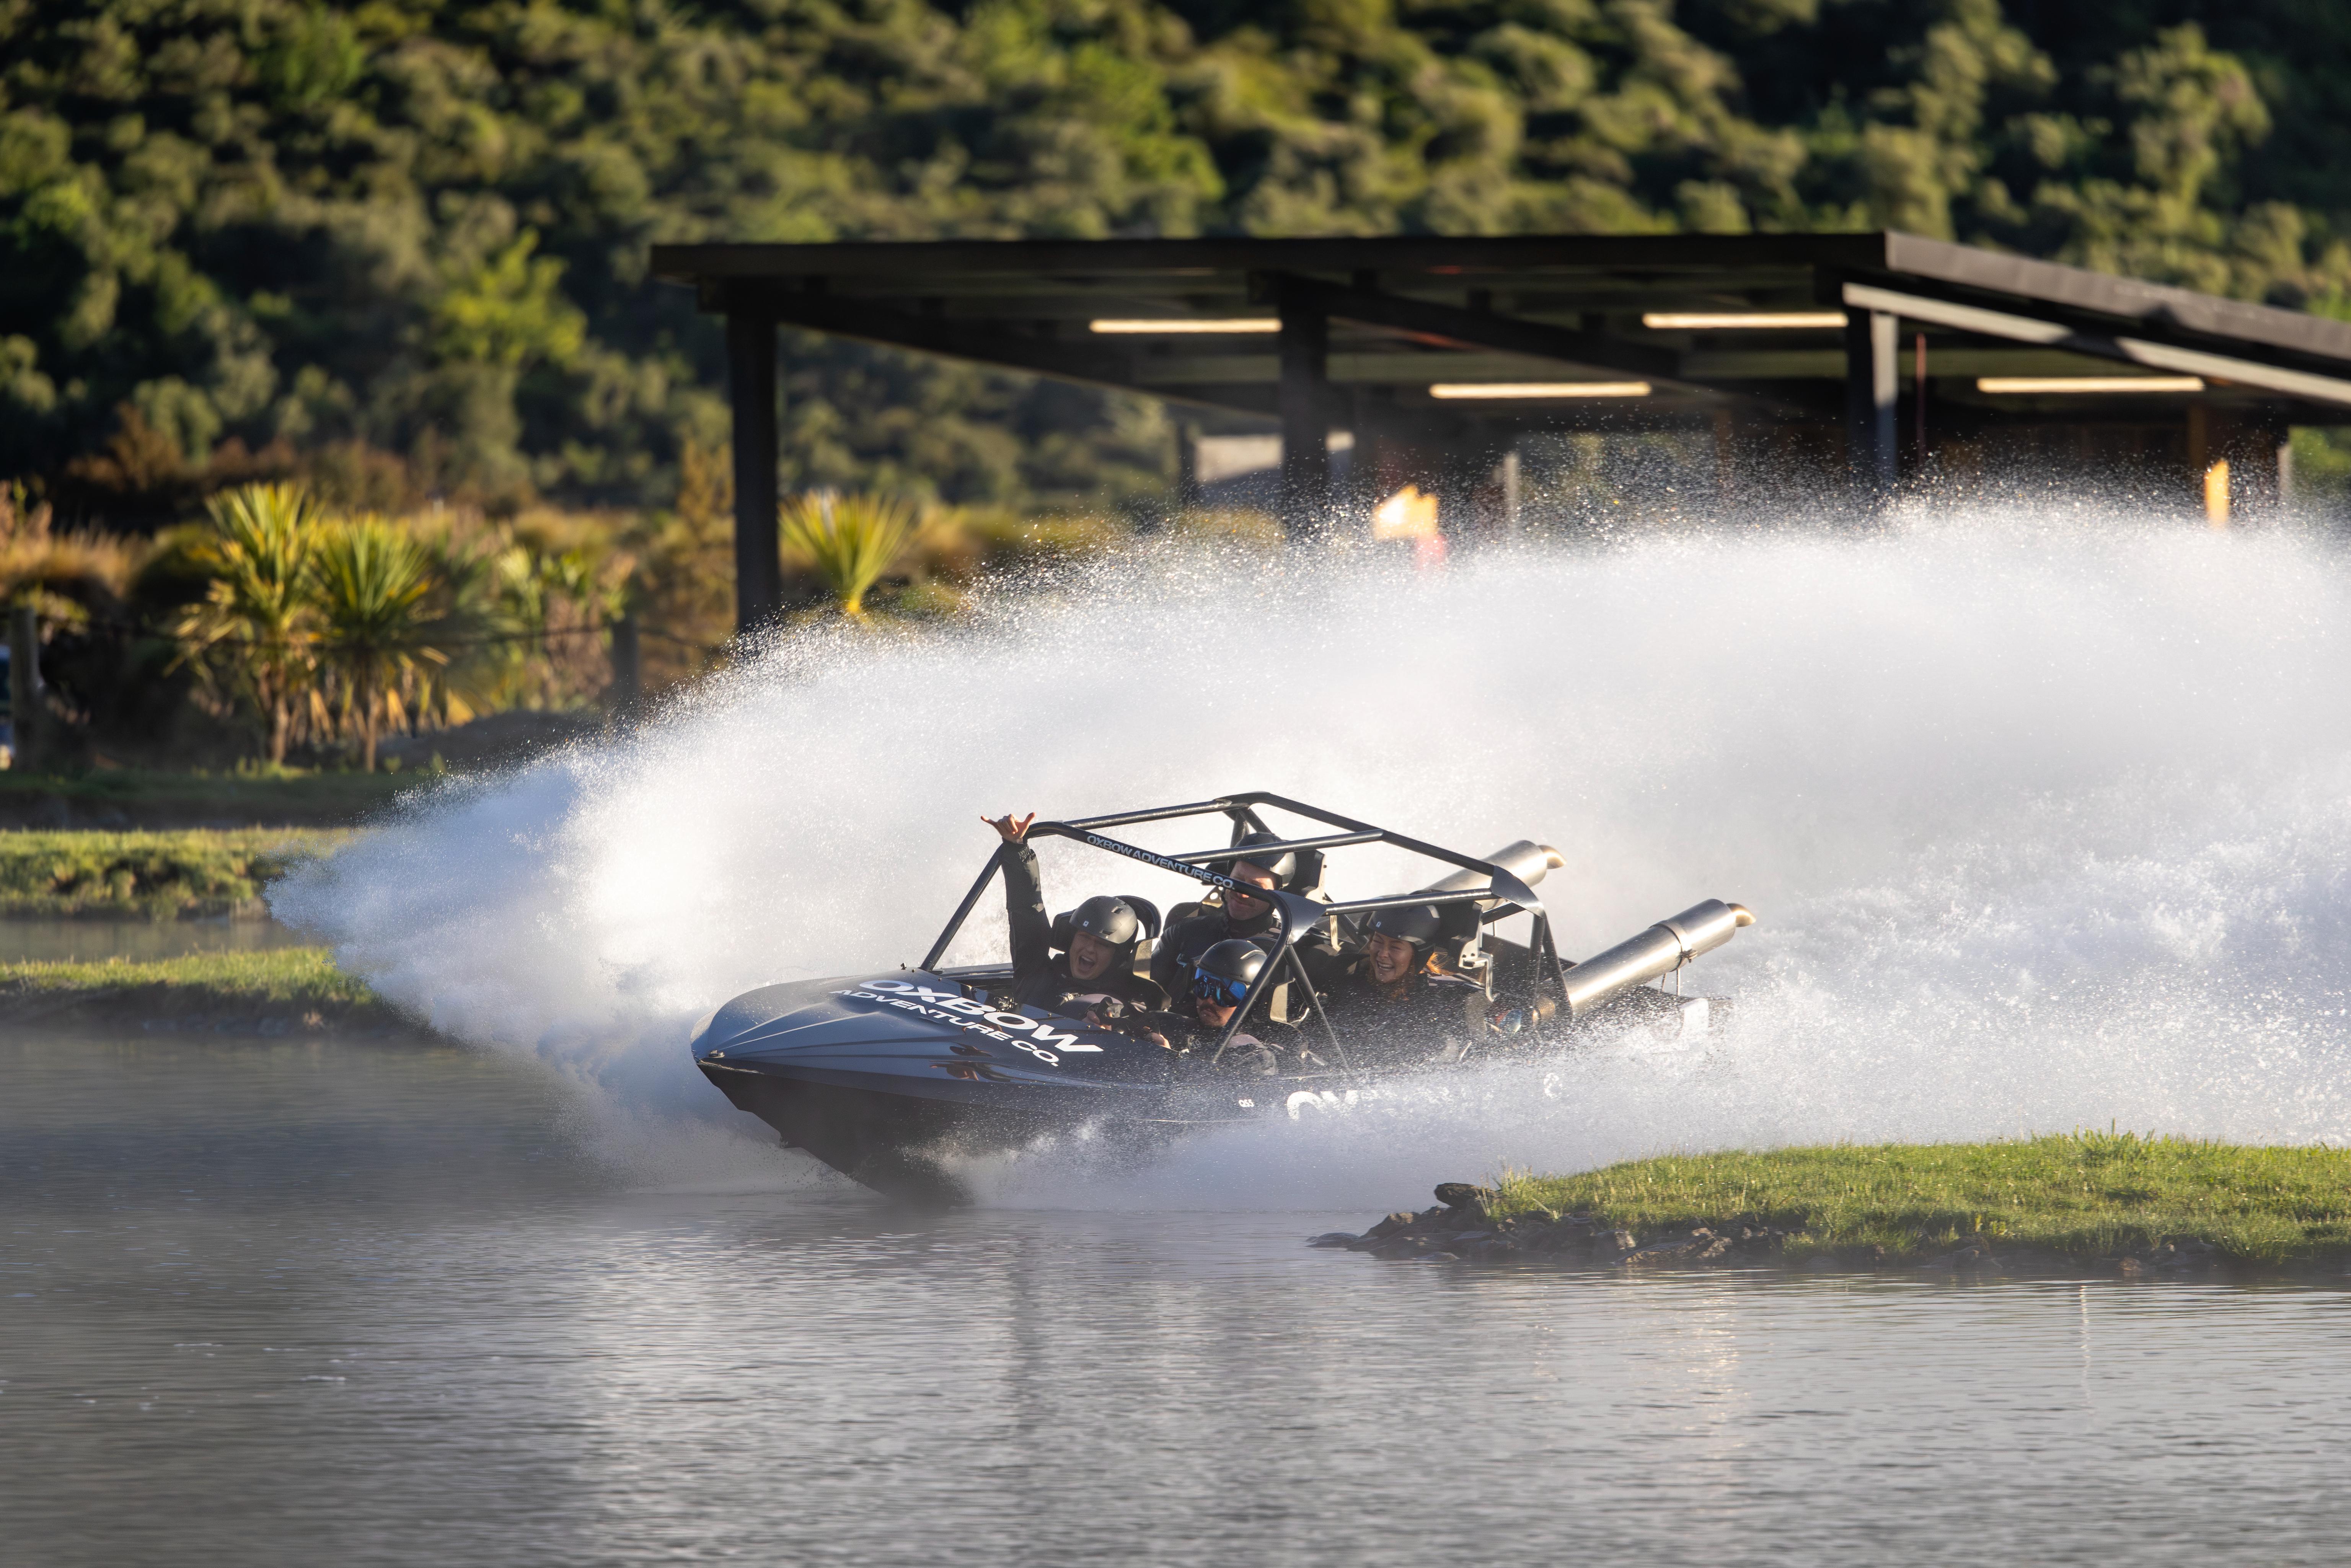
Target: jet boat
(891,1076)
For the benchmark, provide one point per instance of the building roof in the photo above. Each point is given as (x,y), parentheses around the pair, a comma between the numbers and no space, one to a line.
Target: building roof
(1412,313)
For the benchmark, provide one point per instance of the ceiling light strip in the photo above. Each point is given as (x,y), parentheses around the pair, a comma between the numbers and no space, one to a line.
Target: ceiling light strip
(1185,326)
(1740,321)
(1494,391)
(2033,386)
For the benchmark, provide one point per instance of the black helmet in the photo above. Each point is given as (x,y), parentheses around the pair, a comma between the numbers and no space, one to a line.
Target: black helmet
(1224,974)
(1284,867)
(1418,924)
(1107,920)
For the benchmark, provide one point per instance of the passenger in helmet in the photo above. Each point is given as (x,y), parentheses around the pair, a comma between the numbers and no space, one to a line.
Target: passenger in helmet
(1095,972)
(1244,915)
(1391,1006)
(1220,983)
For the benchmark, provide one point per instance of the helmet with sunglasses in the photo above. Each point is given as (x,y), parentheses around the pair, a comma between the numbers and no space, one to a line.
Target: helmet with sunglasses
(1222,976)
(1283,866)
(1418,924)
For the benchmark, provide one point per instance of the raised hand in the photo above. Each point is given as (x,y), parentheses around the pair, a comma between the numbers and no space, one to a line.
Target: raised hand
(1009,828)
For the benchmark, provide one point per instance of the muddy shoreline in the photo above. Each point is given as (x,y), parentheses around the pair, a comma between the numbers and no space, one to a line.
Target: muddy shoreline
(1460,1229)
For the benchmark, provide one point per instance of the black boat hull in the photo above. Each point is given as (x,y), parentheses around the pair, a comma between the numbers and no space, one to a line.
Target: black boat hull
(896,1082)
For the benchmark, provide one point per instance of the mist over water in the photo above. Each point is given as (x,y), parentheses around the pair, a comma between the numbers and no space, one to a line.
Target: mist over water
(2045,815)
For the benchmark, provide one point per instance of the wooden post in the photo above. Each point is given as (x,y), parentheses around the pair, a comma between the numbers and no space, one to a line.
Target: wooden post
(1919,407)
(1303,401)
(751,386)
(1872,386)
(24,689)
(1187,462)
(628,681)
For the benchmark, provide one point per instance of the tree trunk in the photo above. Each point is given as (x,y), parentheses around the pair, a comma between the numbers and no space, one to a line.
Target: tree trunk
(278,725)
(367,731)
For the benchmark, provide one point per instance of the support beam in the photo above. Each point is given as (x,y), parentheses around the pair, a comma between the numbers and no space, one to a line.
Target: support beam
(994,343)
(1451,325)
(751,387)
(1873,383)
(2081,339)
(1306,398)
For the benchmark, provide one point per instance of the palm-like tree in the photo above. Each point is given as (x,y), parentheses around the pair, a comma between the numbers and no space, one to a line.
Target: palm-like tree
(259,604)
(371,583)
(849,540)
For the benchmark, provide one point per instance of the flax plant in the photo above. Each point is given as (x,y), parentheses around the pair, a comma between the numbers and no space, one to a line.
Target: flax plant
(849,541)
(372,583)
(258,606)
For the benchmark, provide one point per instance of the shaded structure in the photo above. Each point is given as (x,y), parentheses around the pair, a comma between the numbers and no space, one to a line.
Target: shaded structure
(1436,353)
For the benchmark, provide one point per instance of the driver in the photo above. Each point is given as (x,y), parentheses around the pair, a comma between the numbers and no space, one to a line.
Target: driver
(1219,984)
(1246,916)
(1097,974)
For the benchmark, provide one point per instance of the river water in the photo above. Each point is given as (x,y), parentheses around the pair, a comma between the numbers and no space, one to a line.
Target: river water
(136,941)
(269,1304)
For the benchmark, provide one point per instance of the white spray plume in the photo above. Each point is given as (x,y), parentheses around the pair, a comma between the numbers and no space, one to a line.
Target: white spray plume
(2046,816)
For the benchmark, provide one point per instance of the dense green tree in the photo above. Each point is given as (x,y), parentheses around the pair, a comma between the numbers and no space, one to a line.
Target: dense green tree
(233,232)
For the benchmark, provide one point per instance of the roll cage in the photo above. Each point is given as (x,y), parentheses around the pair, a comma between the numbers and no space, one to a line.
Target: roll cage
(1507,893)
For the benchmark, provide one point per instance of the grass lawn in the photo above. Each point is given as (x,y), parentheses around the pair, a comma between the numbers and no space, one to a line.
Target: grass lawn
(138,797)
(2088,1194)
(298,986)
(149,875)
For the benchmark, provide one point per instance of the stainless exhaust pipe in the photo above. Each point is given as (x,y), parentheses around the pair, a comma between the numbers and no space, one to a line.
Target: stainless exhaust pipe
(1525,859)
(1660,950)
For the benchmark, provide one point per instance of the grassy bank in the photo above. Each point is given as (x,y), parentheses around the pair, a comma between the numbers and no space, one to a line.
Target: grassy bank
(136,798)
(2090,1195)
(287,991)
(80,875)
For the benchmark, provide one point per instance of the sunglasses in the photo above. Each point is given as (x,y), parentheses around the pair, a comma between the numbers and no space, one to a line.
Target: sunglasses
(1218,989)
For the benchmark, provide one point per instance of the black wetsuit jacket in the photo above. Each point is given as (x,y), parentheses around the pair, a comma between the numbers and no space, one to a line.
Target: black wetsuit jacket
(1420,1014)
(1262,1045)
(1180,944)
(1041,977)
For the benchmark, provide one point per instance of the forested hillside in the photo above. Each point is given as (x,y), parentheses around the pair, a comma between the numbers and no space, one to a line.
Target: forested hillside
(400,245)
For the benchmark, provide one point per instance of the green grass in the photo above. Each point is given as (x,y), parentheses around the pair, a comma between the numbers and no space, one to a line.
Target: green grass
(149,875)
(142,797)
(300,986)
(2089,1194)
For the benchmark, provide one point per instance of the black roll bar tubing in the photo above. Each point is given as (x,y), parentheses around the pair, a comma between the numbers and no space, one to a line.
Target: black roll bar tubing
(1410,899)
(1298,965)
(963,911)
(1291,929)
(1349,824)
(1240,807)
(1234,853)
(1157,814)
(1550,949)
(1070,831)
(1258,987)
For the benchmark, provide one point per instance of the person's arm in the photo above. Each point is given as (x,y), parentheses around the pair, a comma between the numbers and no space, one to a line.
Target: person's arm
(1025,921)
(1166,955)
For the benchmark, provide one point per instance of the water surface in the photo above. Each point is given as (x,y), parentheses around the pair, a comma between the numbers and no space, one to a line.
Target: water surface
(269,1304)
(138,941)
